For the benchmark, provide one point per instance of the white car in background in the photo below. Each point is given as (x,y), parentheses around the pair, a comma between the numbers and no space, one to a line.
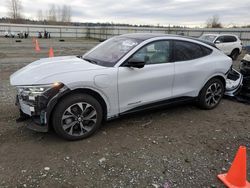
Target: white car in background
(122,75)
(231,45)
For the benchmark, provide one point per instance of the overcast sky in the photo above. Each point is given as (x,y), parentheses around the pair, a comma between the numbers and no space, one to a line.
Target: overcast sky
(164,12)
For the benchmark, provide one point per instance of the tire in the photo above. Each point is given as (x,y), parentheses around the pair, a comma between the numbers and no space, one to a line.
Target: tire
(234,54)
(211,94)
(77,116)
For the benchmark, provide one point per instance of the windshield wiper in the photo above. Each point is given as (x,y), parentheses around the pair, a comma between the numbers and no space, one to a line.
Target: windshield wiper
(90,60)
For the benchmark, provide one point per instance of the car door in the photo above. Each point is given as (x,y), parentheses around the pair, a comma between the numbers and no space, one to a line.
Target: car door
(152,83)
(192,68)
(219,42)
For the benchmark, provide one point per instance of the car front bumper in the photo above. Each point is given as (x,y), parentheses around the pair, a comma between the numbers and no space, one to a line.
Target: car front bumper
(39,108)
(38,119)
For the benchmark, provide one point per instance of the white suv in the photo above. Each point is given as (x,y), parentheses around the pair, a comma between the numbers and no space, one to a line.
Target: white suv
(231,45)
(124,74)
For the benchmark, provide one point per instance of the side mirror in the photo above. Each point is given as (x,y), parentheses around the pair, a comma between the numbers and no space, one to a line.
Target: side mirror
(135,62)
(217,42)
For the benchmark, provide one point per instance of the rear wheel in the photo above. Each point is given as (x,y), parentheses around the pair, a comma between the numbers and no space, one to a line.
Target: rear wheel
(235,53)
(211,94)
(77,116)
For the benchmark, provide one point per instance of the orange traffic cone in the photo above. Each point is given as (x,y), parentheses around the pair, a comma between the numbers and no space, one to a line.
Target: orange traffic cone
(37,48)
(51,52)
(237,174)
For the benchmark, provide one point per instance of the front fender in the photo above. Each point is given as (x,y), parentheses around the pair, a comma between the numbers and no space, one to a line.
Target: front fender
(100,92)
(66,90)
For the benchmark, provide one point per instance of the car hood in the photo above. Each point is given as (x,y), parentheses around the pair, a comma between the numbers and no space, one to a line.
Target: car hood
(43,68)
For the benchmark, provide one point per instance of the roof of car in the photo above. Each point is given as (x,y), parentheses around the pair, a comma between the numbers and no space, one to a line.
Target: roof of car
(216,34)
(146,36)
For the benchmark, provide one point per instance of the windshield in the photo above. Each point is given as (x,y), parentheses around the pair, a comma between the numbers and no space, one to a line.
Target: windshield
(111,51)
(209,38)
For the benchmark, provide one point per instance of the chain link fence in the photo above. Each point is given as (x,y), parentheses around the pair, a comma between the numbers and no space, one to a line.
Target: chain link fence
(105,32)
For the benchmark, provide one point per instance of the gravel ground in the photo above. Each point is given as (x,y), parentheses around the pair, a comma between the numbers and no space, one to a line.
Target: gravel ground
(180,146)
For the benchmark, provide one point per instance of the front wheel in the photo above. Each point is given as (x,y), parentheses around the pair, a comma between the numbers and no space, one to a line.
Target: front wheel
(77,116)
(211,94)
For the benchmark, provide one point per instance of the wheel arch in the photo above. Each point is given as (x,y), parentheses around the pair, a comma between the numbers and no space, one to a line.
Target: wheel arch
(234,50)
(218,76)
(53,103)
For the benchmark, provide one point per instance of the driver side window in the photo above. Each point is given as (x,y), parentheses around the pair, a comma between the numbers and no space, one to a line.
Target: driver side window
(154,53)
(220,39)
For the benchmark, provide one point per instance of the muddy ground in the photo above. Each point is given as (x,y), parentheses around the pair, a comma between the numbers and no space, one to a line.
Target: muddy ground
(179,146)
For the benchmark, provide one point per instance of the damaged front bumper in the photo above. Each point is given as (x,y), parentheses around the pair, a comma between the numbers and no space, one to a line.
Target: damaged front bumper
(233,83)
(36,102)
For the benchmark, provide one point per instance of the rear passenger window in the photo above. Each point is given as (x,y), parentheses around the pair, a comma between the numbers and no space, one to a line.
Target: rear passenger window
(229,39)
(184,51)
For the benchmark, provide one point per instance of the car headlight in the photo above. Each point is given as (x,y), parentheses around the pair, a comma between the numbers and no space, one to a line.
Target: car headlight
(36,90)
